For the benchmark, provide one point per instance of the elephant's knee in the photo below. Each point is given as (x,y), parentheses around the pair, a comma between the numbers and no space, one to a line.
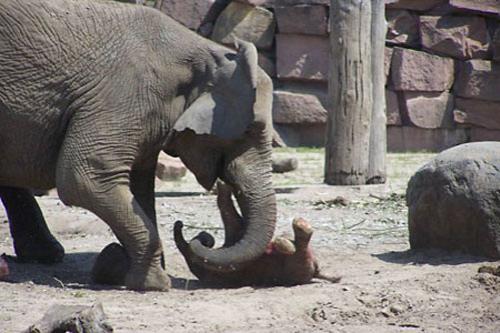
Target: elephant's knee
(72,189)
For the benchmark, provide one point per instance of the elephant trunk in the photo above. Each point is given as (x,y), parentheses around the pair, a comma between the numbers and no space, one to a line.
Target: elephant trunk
(255,195)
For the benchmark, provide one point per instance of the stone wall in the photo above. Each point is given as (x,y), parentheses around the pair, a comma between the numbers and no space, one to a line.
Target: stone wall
(442,64)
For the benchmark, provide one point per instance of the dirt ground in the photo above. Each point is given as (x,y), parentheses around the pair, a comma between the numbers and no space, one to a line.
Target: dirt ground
(385,286)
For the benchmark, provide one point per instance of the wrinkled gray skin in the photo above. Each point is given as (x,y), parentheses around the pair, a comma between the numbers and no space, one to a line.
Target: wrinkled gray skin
(91,92)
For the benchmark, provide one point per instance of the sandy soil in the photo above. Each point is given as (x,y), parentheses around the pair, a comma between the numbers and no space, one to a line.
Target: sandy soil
(385,287)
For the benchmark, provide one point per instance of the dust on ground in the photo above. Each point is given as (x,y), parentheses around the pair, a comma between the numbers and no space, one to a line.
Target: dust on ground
(363,237)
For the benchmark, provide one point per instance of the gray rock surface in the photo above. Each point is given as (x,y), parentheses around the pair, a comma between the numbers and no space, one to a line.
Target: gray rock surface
(454,201)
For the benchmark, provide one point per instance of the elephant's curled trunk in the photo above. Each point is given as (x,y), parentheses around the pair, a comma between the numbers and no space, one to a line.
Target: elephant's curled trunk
(255,195)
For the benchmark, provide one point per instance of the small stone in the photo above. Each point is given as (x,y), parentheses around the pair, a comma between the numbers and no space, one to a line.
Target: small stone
(490,270)
(341,201)
(386,313)
(285,165)
(170,168)
(396,309)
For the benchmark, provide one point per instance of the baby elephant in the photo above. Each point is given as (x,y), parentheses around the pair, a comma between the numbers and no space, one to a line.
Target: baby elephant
(285,262)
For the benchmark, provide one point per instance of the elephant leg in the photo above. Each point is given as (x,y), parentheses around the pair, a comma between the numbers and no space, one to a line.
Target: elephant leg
(303,233)
(142,185)
(33,241)
(118,207)
(234,225)
(113,263)
(100,182)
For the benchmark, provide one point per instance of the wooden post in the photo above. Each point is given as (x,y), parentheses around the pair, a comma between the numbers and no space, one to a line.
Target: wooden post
(378,131)
(350,88)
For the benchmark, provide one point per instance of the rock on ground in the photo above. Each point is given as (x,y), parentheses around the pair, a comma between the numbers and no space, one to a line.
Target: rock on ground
(454,201)
(72,318)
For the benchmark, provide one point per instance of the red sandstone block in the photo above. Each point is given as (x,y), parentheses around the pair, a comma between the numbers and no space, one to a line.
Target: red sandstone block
(479,6)
(402,28)
(478,79)
(405,138)
(418,5)
(297,108)
(304,19)
(484,134)
(392,108)
(427,109)
(189,13)
(479,113)
(461,37)
(302,57)
(419,71)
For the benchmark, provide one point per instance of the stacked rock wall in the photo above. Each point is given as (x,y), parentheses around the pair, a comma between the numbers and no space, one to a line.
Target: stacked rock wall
(442,64)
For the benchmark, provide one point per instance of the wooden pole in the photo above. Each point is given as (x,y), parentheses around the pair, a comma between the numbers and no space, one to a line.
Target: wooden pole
(350,88)
(378,134)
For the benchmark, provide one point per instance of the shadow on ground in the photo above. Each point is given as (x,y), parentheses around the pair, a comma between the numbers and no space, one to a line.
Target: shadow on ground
(433,257)
(74,273)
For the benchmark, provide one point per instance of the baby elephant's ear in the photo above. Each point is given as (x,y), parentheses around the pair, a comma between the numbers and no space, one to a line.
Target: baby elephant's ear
(227,109)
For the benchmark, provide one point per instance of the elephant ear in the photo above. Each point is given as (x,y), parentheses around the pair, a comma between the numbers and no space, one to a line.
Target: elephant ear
(226,110)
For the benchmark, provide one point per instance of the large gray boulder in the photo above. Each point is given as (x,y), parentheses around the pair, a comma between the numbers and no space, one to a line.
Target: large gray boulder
(454,201)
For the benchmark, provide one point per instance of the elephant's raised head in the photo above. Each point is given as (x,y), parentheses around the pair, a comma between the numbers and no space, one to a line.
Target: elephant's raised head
(226,133)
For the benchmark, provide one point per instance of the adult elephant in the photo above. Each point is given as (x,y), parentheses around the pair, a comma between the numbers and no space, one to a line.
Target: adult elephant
(92,91)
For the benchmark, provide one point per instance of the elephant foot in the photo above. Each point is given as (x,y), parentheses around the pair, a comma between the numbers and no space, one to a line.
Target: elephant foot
(152,279)
(111,266)
(44,249)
